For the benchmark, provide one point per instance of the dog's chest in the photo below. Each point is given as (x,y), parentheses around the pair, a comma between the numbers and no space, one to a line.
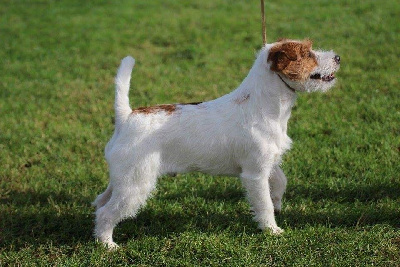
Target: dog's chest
(270,134)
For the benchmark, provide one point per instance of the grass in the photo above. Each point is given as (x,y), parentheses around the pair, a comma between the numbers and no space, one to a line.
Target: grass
(58,61)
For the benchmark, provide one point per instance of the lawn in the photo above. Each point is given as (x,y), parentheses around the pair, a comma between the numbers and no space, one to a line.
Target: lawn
(58,62)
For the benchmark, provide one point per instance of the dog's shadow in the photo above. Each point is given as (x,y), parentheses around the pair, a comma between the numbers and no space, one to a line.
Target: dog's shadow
(39,218)
(350,207)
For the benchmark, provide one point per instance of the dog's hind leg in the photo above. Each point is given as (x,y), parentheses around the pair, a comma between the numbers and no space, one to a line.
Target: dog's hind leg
(128,195)
(278,183)
(258,193)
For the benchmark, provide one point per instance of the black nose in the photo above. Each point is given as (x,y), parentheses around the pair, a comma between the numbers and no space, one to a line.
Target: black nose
(337,59)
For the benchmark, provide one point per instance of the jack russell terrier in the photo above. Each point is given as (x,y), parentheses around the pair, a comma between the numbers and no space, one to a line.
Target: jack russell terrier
(243,134)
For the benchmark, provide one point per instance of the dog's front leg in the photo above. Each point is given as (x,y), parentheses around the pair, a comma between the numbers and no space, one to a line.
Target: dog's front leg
(258,193)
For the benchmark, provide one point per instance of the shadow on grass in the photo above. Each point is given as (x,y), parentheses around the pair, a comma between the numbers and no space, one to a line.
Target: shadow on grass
(352,205)
(348,217)
(350,192)
(60,219)
(33,218)
(165,223)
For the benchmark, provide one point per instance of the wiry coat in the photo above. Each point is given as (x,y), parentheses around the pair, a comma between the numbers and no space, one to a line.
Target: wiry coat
(243,134)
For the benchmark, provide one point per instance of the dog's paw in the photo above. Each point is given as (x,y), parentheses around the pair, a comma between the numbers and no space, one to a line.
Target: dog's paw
(111,246)
(276,230)
(273,229)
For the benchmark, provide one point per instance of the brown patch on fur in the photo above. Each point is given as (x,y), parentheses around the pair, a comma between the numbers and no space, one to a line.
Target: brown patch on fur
(293,59)
(169,109)
(192,103)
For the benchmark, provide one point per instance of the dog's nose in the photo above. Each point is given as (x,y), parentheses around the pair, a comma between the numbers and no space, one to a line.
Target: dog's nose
(337,59)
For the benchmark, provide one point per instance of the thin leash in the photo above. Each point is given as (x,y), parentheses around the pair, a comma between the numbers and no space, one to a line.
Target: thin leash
(264,31)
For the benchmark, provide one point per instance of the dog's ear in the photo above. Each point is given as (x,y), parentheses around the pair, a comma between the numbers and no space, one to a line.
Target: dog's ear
(281,54)
(292,58)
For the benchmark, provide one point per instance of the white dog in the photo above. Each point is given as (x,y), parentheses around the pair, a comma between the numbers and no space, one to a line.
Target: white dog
(243,133)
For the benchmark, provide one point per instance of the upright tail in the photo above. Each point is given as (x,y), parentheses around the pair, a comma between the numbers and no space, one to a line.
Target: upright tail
(122,82)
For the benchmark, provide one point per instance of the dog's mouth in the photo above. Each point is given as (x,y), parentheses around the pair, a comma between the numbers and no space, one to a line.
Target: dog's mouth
(324,78)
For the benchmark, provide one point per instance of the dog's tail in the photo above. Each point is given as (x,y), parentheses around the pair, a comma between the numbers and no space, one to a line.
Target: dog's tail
(122,82)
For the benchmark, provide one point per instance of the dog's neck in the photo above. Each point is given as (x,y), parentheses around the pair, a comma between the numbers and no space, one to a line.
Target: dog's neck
(287,85)
(265,83)
(263,94)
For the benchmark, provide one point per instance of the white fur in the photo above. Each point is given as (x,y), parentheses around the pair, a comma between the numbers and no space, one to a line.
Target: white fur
(243,134)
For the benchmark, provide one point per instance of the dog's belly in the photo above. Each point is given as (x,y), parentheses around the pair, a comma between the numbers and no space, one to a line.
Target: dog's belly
(182,159)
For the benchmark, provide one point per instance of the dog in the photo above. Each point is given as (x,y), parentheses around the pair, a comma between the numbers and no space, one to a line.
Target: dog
(242,134)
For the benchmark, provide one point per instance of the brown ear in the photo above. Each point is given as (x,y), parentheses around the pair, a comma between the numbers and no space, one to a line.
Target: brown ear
(281,54)
(292,58)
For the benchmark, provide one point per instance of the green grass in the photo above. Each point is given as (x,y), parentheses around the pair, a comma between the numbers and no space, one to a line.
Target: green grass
(58,61)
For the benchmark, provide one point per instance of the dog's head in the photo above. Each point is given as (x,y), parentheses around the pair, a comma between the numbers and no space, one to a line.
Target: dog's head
(302,68)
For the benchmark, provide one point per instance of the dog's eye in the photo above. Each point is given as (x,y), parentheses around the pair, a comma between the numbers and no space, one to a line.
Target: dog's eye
(310,54)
